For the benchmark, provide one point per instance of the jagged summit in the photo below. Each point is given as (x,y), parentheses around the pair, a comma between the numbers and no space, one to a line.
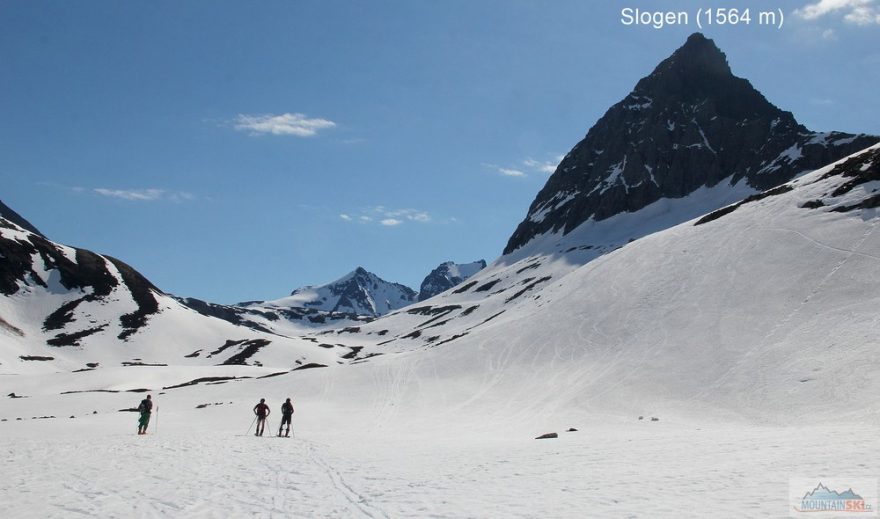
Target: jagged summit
(359,292)
(446,276)
(699,70)
(691,123)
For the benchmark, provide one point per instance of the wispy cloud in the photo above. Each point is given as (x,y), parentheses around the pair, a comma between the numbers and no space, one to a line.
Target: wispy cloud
(388,217)
(507,172)
(294,124)
(541,166)
(859,12)
(143,195)
(545,167)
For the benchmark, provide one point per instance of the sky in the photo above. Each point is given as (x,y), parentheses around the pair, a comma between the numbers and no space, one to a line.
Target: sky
(235,151)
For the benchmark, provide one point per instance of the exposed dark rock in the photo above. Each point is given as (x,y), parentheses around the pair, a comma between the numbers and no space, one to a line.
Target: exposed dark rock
(310,365)
(233,314)
(813,204)
(272,375)
(35,357)
(464,288)
(527,267)
(251,347)
(469,310)
(485,287)
(446,276)
(203,380)
(454,337)
(90,391)
(17,219)
(547,436)
(528,287)
(72,339)
(690,123)
(714,215)
(353,353)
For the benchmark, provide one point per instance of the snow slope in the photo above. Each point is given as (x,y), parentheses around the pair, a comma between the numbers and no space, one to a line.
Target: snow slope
(750,333)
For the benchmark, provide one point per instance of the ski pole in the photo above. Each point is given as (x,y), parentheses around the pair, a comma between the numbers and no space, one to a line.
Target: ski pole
(157,420)
(251,425)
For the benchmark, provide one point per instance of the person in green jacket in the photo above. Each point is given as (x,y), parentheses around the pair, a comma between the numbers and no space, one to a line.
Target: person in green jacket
(145,409)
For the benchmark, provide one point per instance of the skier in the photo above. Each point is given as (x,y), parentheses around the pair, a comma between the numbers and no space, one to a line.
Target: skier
(262,411)
(145,409)
(286,415)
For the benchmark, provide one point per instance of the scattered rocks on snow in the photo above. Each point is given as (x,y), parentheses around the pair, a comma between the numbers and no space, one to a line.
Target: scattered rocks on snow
(547,436)
(655,419)
(572,429)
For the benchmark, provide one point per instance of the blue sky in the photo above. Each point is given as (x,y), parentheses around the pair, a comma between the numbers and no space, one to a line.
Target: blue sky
(237,150)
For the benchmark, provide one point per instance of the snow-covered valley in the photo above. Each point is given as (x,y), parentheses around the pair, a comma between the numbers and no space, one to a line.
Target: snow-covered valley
(692,342)
(750,335)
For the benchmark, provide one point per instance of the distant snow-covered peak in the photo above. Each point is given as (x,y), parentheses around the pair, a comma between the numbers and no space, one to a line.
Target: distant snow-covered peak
(359,292)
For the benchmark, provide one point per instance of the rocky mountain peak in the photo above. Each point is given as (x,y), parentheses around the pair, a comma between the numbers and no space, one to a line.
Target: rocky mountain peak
(448,275)
(691,123)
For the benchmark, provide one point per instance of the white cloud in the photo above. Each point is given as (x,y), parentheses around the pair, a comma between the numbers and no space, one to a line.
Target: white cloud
(541,166)
(545,167)
(510,172)
(507,172)
(860,12)
(145,195)
(828,34)
(388,217)
(284,124)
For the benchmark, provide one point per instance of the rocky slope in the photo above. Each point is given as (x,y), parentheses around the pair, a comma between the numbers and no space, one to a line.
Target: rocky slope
(690,124)
(446,276)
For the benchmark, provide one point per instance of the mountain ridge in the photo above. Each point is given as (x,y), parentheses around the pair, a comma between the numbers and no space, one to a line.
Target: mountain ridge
(689,124)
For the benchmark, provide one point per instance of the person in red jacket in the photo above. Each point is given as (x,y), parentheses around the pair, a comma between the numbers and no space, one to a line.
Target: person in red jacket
(262,411)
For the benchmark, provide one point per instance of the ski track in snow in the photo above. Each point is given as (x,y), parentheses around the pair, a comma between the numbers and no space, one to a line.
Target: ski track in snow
(632,470)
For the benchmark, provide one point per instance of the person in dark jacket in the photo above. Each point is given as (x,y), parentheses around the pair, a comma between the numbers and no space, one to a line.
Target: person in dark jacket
(286,416)
(145,409)
(262,411)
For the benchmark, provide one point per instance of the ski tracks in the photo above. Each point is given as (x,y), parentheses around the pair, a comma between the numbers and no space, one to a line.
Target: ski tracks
(358,503)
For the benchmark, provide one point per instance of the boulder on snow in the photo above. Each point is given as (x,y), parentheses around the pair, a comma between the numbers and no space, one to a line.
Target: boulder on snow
(547,436)
(572,429)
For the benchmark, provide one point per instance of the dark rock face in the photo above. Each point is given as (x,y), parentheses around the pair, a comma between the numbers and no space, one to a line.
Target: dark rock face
(86,270)
(689,124)
(17,219)
(446,276)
